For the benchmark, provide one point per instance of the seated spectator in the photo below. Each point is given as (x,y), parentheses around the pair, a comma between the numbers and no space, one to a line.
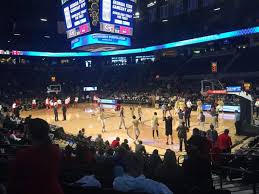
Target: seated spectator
(13,137)
(170,173)
(125,145)
(80,135)
(115,143)
(153,162)
(35,169)
(224,142)
(134,180)
(197,166)
(99,140)
(140,148)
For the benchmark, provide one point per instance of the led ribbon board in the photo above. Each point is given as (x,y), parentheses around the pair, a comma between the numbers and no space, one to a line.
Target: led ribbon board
(99,38)
(231,34)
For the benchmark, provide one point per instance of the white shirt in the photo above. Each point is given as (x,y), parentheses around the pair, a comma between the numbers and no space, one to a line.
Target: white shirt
(154,121)
(128,183)
(59,101)
(33,101)
(189,104)
(14,105)
(257,103)
(76,99)
(47,101)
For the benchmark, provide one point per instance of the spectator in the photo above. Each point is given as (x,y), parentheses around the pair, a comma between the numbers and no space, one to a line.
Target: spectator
(13,137)
(153,162)
(125,145)
(224,142)
(35,169)
(140,148)
(170,173)
(182,135)
(115,143)
(134,180)
(212,134)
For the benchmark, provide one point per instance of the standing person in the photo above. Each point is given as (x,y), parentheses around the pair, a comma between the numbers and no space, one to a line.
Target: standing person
(102,118)
(257,107)
(33,103)
(237,122)
(35,169)
(189,104)
(224,142)
(199,108)
(169,128)
(182,135)
(187,116)
(139,113)
(212,134)
(122,120)
(55,109)
(154,125)
(180,116)
(47,103)
(135,123)
(214,117)
(64,111)
(76,101)
(202,121)
(132,111)
(163,107)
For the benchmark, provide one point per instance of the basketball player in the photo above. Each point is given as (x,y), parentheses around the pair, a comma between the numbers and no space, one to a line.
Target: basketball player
(139,113)
(163,107)
(169,128)
(59,103)
(102,119)
(122,121)
(135,123)
(199,108)
(76,100)
(47,103)
(154,125)
(64,111)
(202,121)
(219,108)
(132,111)
(55,109)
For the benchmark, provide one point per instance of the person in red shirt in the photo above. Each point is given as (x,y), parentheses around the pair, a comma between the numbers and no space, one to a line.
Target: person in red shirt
(115,143)
(35,169)
(224,142)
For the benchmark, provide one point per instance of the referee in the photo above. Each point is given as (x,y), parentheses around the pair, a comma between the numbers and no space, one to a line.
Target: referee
(169,127)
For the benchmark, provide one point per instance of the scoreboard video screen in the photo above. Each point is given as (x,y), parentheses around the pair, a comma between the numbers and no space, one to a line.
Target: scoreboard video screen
(116,16)
(76,18)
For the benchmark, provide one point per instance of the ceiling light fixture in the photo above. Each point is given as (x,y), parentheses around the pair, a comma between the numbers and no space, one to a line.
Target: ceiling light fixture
(17,34)
(217,9)
(43,19)
(46,36)
(165,20)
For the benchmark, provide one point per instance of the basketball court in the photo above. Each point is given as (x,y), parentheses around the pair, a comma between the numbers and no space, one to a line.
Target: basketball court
(86,116)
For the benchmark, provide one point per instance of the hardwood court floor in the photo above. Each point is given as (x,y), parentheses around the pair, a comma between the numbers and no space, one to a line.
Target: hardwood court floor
(83,116)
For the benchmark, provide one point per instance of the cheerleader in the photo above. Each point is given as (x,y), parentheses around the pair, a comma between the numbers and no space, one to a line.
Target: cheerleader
(33,103)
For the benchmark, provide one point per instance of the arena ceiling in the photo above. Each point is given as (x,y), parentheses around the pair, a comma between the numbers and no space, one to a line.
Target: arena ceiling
(32,23)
